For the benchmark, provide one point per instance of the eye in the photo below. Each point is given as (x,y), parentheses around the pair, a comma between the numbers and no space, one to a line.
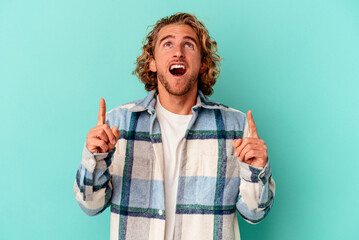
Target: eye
(167,44)
(190,45)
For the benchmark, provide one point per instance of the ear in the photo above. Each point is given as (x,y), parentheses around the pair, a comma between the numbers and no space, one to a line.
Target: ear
(203,67)
(153,65)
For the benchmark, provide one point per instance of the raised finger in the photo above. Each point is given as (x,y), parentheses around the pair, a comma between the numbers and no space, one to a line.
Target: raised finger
(101,117)
(251,125)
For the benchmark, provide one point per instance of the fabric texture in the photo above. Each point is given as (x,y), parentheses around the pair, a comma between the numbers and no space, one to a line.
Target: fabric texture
(213,184)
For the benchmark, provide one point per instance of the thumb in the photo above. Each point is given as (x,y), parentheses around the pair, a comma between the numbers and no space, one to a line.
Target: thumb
(101,118)
(116,133)
(236,143)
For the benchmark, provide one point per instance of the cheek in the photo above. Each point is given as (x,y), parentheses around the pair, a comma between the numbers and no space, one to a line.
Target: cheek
(161,66)
(198,61)
(161,61)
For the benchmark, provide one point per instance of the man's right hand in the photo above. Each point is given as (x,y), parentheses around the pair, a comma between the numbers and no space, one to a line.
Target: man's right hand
(102,138)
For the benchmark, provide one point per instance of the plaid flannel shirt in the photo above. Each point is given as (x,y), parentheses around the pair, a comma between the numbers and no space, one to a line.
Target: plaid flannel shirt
(212,182)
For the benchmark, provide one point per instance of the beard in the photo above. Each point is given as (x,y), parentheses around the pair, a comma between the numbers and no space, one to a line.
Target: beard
(181,92)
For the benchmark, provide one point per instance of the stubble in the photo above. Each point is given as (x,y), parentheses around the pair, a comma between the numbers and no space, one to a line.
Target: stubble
(181,92)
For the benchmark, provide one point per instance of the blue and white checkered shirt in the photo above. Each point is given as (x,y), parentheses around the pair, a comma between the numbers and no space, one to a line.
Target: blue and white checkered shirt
(212,182)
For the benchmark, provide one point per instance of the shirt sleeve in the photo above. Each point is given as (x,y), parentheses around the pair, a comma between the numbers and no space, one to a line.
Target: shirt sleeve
(256,190)
(92,187)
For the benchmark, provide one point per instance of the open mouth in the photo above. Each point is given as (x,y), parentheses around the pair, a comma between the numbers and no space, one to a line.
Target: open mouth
(177,69)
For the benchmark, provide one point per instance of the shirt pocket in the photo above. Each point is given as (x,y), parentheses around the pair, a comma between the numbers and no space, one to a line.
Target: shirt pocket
(213,180)
(133,178)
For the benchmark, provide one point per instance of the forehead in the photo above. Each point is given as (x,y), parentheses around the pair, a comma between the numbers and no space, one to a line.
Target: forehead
(178,31)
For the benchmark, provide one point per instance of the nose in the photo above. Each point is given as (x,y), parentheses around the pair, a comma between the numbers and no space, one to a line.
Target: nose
(178,51)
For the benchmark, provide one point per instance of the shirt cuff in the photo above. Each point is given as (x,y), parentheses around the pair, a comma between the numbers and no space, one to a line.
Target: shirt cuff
(255,174)
(92,161)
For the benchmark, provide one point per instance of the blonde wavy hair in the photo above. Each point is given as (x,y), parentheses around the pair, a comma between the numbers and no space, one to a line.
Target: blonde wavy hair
(207,79)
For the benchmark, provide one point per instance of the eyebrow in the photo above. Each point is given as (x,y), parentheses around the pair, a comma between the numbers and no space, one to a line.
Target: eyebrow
(171,36)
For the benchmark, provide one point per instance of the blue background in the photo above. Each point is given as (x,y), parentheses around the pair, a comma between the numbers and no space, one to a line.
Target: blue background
(294,63)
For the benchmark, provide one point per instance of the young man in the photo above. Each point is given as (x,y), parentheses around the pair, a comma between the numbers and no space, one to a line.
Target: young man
(175,165)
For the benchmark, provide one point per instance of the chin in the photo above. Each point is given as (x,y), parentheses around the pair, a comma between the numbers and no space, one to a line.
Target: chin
(177,85)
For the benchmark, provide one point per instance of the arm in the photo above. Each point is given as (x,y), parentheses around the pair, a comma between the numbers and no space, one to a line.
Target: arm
(93,188)
(257,187)
(256,192)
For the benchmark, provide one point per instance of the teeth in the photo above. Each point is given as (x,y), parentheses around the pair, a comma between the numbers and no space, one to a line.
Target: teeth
(177,66)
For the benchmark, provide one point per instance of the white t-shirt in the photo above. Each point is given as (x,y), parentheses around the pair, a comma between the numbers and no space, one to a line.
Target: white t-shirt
(173,128)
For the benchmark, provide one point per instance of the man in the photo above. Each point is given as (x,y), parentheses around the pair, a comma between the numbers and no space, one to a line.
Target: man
(175,165)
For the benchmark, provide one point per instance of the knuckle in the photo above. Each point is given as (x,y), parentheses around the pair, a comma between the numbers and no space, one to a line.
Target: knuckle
(103,134)
(91,132)
(99,135)
(103,144)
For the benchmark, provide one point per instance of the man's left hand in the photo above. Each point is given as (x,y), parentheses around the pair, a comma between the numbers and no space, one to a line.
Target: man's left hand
(251,150)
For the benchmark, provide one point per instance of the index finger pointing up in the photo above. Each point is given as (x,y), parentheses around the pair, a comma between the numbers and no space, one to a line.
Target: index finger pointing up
(101,113)
(251,125)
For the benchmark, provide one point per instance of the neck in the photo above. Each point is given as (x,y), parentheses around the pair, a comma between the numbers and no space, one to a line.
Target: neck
(178,104)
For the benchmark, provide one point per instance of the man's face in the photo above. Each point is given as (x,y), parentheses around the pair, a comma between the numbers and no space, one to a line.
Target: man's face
(177,59)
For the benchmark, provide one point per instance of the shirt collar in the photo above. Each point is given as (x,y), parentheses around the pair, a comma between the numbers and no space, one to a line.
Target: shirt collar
(149,103)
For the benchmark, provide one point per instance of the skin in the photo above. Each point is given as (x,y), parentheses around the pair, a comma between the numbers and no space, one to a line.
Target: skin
(251,150)
(102,138)
(178,94)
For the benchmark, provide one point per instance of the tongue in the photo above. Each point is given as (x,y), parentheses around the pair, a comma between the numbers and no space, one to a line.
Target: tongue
(177,71)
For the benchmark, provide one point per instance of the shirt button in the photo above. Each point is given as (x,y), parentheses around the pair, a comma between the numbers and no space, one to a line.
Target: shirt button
(160,212)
